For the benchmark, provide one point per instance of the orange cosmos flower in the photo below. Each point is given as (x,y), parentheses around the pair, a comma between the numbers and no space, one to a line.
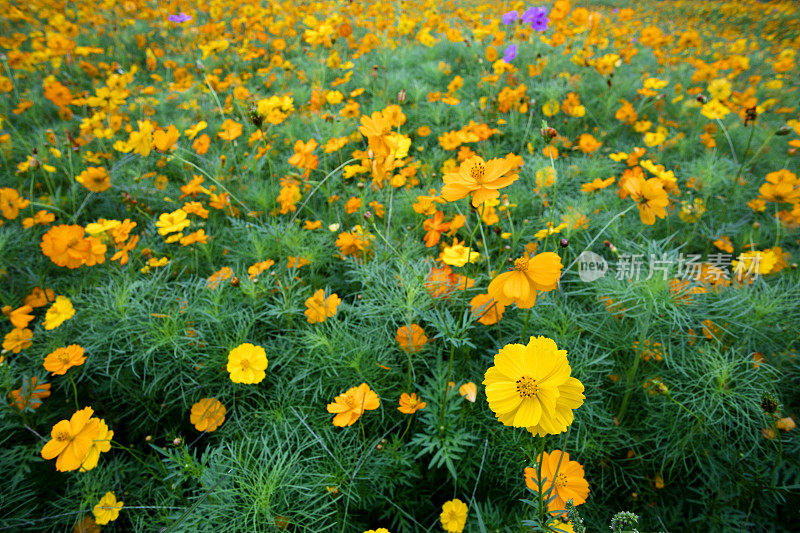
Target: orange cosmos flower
(229,130)
(349,406)
(72,439)
(480,178)
(64,358)
(21,316)
(531,274)
(410,404)
(30,394)
(564,476)
(96,179)
(435,227)
(17,340)
(320,308)
(207,415)
(304,157)
(66,246)
(649,195)
(411,338)
(469,391)
(487,310)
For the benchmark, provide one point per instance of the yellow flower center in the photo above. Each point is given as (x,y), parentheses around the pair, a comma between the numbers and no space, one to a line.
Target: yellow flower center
(64,357)
(478,171)
(527,387)
(244,364)
(62,435)
(521,264)
(561,481)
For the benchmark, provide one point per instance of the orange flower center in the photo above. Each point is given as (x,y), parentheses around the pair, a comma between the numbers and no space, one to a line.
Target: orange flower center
(561,481)
(478,171)
(62,436)
(527,387)
(521,264)
(64,357)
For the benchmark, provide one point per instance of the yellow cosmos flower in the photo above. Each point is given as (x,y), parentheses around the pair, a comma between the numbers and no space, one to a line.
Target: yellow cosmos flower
(247,363)
(107,509)
(530,386)
(59,312)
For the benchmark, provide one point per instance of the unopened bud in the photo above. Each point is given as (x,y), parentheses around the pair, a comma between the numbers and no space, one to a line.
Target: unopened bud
(783,130)
(401,96)
(368,215)
(176,441)
(564,243)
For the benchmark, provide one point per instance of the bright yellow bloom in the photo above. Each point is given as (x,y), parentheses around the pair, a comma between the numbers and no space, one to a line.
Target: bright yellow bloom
(107,509)
(454,516)
(530,386)
(247,363)
(60,311)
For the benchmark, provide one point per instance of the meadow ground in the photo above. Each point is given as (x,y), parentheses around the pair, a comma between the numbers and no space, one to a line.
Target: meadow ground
(399,266)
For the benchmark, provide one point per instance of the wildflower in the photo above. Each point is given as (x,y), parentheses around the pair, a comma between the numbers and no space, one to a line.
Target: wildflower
(30,394)
(510,17)
(715,110)
(411,338)
(64,358)
(486,309)
(355,242)
(530,386)
(510,53)
(71,440)
(172,222)
(17,340)
(180,18)
(537,18)
(563,477)
(101,444)
(480,178)
(96,179)
(469,391)
(435,227)
(60,311)
(649,195)
(597,184)
(21,316)
(247,363)
(458,255)
(164,141)
(67,246)
(39,297)
(351,405)
(454,516)
(319,308)
(207,414)
(256,269)
(230,130)
(410,404)
(107,509)
(756,263)
(531,274)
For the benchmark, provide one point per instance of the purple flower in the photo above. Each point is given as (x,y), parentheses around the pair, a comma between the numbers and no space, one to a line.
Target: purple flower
(537,18)
(510,53)
(180,18)
(510,17)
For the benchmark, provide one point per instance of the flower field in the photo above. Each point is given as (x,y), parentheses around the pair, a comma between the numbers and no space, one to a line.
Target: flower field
(400,266)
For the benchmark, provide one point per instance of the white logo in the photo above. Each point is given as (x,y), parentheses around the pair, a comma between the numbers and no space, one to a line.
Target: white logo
(591,266)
